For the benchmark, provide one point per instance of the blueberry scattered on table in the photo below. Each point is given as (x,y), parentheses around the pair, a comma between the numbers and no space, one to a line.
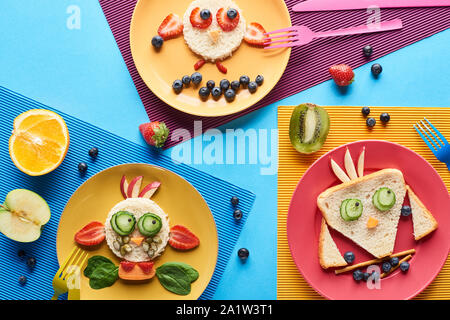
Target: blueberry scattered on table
(371,122)
(349,257)
(234,201)
(235,85)
(82,167)
(386,266)
(365,111)
(237,214)
(177,86)
(216,93)
(210,84)
(93,153)
(196,78)
(259,80)
(404,266)
(394,261)
(385,117)
(366,276)
(376,69)
(252,87)
(31,262)
(204,92)
(244,80)
(232,13)
(406,211)
(186,80)
(157,42)
(224,85)
(21,253)
(243,254)
(205,14)
(358,275)
(22,280)
(230,95)
(367,50)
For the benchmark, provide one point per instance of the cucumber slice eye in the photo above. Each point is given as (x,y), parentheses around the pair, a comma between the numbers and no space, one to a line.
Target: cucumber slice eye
(123,222)
(384,199)
(351,209)
(149,224)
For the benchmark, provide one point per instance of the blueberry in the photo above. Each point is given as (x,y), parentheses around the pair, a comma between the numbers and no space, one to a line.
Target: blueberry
(186,80)
(21,253)
(358,275)
(196,78)
(371,122)
(82,167)
(210,84)
(93,153)
(259,80)
(367,50)
(157,42)
(404,266)
(31,262)
(366,276)
(204,92)
(385,117)
(244,80)
(386,266)
(235,85)
(22,280)
(365,111)
(243,253)
(406,211)
(177,86)
(237,214)
(349,257)
(252,87)
(230,95)
(205,14)
(376,69)
(216,93)
(224,85)
(235,201)
(232,13)
(394,261)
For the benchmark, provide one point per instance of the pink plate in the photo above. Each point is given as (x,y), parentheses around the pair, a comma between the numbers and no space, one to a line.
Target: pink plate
(303,225)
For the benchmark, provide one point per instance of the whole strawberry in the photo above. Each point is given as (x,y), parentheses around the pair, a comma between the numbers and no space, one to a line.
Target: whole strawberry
(155,133)
(342,74)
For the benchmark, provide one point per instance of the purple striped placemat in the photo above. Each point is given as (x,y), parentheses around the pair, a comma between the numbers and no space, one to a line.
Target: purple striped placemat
(308,65)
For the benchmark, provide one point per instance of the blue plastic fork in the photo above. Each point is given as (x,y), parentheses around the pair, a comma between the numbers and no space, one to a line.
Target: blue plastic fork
(439,146)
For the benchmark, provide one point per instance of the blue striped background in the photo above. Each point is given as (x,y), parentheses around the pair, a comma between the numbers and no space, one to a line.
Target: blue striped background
(57,186)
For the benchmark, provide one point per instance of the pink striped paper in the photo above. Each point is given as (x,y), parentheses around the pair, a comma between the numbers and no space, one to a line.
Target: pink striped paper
(308,65)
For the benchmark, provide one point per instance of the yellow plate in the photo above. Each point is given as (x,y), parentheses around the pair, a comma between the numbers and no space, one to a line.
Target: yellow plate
(175,59)
(179,199)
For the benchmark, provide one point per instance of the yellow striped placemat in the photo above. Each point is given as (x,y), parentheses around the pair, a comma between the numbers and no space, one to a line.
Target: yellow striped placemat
(348,125)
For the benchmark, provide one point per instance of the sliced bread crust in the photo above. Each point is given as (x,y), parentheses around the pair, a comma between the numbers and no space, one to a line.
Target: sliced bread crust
(378,241)
(423,221)
(329,254)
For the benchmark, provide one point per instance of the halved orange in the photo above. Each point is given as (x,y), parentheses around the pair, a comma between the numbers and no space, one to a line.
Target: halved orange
(39,142)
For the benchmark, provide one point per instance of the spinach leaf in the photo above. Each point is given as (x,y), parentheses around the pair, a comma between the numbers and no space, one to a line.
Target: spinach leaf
(93,262)
(177,277)
(104,275)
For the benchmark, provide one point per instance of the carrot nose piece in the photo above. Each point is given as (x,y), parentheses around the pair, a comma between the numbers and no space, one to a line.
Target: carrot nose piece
(214,35)
(137,240)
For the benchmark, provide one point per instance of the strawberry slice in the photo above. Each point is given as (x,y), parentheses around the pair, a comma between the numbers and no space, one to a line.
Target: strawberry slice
(197,21)
(171,27)
(127,266)
(146,267)
(255,35)
(225,23)
(182,238)
(91,235)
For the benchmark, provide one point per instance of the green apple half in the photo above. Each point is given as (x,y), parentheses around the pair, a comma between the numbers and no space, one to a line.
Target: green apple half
(23,215)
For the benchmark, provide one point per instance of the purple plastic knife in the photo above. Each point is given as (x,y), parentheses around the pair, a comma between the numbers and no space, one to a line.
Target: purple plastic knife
(332,5)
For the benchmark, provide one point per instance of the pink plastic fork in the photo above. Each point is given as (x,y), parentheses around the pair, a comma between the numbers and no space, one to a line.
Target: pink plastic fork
(301,35)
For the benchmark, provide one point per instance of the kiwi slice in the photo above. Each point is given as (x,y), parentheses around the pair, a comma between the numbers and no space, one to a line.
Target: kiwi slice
(309,128)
